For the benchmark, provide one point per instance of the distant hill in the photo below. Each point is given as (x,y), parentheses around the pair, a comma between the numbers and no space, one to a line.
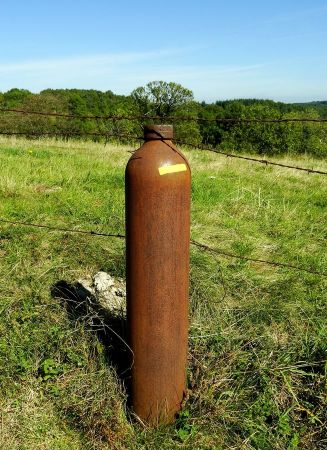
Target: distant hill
(321,106)
(316,103)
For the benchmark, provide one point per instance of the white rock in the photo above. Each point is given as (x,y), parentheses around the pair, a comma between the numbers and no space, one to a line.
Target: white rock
(102,282)
(108,292)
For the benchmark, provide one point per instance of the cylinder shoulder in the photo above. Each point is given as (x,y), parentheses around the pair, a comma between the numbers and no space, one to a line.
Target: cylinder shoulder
(158,157)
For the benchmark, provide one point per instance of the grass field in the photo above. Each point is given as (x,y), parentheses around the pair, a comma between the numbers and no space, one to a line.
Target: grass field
(258,338)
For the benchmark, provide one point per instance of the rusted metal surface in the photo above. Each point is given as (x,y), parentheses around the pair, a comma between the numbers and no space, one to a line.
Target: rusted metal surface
(158,185)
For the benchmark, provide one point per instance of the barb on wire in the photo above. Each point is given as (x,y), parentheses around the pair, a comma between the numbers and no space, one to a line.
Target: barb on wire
(69,230)
(262,261)
(192,241)
(160,118)
(106,136)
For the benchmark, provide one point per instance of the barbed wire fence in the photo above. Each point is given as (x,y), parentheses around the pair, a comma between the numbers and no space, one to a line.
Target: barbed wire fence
(192,241)
(133,138)
(141,117)
(130,137)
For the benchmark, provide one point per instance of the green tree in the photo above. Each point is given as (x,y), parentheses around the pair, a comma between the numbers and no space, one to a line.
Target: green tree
(161,98)
(14,97)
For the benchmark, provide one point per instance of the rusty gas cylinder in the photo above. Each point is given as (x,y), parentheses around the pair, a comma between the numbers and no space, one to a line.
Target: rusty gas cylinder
(158,186)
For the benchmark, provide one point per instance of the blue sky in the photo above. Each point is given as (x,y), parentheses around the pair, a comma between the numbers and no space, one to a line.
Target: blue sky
(219,49)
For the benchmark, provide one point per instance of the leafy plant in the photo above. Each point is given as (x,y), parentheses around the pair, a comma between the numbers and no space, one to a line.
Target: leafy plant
(49,369)
(184,428)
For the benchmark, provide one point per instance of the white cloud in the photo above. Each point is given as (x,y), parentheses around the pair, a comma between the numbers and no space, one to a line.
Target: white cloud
(119,72)
(123,72)
(82,62)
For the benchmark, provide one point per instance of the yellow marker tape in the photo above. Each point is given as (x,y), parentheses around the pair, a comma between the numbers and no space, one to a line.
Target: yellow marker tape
(172,169)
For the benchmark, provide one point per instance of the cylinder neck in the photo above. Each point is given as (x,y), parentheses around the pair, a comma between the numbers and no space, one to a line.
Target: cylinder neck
(158,132)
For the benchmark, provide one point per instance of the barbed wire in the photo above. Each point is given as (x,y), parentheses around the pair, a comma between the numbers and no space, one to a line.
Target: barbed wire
(262,261)
(130,137)
(142,117)
(69,134)
(68,230)
(248,158)
(192,241)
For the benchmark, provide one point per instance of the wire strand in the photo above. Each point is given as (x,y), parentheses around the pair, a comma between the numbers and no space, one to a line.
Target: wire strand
(248,158)
(69,230)
(262,261)
(71,134)
(160,118)
(178,141)
(192,241)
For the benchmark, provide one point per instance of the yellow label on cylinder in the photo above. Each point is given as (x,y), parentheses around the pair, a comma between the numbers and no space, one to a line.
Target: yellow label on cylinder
(172,169)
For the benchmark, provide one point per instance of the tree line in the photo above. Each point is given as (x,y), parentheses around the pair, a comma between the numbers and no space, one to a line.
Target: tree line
(167,100)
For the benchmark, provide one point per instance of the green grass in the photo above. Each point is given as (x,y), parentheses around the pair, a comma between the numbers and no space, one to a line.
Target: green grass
(258,341)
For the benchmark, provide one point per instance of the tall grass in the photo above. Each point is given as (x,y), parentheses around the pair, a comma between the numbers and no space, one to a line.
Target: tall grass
(257,358)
